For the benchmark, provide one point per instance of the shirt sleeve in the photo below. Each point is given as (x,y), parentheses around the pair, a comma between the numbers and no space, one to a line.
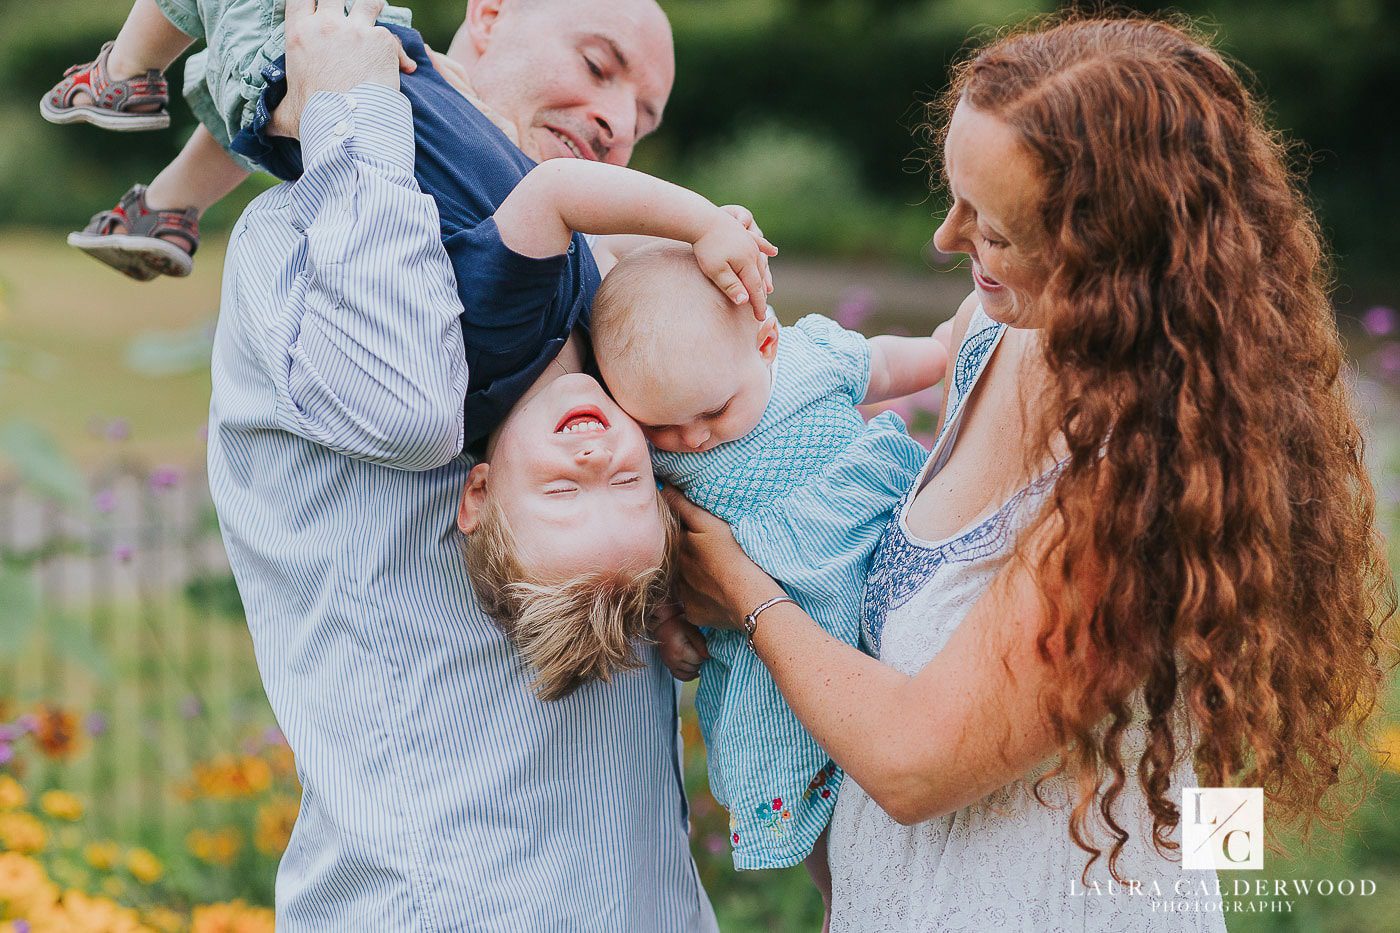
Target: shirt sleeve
(509,300)
(847,351)
(346,296)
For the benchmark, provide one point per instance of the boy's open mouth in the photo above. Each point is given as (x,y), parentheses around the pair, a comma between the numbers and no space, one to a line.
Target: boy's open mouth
(582,420)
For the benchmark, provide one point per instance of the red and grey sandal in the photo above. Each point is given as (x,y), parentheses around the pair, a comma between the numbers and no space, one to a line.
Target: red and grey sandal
(130,105)
(141,242)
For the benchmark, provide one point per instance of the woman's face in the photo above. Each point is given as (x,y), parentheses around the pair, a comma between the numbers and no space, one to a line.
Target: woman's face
(995,216)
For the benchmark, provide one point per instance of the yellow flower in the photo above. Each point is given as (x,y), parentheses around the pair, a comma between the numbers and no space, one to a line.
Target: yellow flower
(1388,748)
(275,821)
(228,778)
(144,866)
(233,917)
(113,886)
(61,805)
(102,855)
(12,793)
(219,847)
(24,886)
(21,832)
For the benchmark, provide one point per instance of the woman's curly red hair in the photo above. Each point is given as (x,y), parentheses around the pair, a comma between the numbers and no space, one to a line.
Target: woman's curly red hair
(1215,483)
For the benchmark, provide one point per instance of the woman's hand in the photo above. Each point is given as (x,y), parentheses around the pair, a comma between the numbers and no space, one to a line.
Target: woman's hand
(718,583)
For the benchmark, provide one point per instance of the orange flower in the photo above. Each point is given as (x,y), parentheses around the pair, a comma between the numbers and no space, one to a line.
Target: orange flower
(233,917)
(144,866)
(12,795)
(219,847)
(56,732)
(61,805)
(275,821)
(228,778)
(24,886)
(21,832)
(102,856)
(1388,748)
(97,913)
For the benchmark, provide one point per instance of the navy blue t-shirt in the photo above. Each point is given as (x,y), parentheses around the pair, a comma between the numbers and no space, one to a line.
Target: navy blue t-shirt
(518,311)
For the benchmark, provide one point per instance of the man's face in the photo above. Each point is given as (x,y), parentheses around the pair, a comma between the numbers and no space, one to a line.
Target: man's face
(578,78)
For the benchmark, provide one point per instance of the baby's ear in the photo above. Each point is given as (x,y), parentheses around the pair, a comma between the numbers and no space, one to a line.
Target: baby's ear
(768,338)
(473,499)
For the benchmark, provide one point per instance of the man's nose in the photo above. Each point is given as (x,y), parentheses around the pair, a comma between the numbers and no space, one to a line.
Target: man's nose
(617,125)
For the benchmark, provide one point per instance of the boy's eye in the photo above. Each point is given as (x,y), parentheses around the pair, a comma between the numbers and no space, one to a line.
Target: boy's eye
(627,481)
(593,67)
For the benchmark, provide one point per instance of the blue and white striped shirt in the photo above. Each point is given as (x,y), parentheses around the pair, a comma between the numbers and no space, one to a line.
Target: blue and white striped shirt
(438,794)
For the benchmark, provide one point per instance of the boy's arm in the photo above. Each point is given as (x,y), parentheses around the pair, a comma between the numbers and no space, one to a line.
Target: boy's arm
(901,366)
(561,196)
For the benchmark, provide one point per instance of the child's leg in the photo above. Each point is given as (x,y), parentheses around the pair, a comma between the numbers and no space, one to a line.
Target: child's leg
(200,176)
(147,41)
(820,870)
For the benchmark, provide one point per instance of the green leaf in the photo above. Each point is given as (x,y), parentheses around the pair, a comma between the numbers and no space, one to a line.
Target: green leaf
(171,353)
(40,462)
(19,609)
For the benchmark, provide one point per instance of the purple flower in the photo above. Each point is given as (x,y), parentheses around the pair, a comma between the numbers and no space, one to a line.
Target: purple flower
(96,724)
(105,501)
(118,429)
(7,753)
(204,431)
(272,737)
(1388,360)
(854,306)
(163,478)
(9,733)
(1379,321)
(27,723)
(22,926)
(715,844)
(123,553)
(190,706)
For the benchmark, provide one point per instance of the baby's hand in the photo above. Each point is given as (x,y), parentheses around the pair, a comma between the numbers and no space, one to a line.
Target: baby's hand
(734,253)
(681,645)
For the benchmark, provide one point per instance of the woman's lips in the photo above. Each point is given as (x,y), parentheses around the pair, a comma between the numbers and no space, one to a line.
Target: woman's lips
(984,283)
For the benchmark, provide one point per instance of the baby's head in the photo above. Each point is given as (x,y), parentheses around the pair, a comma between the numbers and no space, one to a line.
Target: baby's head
(690,366)
(569,545)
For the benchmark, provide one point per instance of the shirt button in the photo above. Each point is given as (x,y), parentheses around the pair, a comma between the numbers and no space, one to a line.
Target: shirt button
(341,128)
(350,103)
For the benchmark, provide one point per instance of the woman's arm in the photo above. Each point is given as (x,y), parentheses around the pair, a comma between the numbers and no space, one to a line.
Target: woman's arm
(921,746)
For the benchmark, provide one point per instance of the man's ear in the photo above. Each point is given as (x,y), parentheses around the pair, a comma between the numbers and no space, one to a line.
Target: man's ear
(768,338)
(473,499)
(481,20)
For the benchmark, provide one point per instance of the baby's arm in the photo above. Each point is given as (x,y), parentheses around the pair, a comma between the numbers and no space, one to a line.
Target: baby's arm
(562,196)
(901,366)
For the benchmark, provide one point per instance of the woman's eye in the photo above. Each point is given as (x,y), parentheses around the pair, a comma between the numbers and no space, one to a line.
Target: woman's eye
(995,244)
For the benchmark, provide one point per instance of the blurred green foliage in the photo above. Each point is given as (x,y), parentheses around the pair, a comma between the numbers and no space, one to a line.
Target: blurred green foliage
(803,108)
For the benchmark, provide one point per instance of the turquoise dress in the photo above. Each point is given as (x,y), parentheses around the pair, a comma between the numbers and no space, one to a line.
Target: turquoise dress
(808,493)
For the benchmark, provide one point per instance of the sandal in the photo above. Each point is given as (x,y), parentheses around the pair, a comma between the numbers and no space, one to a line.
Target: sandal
(113,102)
(141,242)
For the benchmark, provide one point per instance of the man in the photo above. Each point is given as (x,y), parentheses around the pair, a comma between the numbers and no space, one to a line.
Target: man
(438,793)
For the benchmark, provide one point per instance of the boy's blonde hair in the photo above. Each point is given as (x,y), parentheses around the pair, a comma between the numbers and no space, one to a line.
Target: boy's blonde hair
(572,632)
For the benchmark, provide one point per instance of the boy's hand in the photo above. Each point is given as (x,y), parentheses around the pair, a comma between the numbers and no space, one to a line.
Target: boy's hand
(734,254)
(331,50)
(680,644)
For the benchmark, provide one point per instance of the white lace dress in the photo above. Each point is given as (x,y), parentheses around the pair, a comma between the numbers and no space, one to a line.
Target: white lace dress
(1006,862)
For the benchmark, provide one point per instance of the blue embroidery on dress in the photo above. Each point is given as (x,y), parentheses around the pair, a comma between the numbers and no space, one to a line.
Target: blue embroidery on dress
(901,567)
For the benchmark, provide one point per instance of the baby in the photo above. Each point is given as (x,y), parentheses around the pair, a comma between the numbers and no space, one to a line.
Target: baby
(758,424)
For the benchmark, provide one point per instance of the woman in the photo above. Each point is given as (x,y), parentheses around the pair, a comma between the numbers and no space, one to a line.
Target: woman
(1144,539)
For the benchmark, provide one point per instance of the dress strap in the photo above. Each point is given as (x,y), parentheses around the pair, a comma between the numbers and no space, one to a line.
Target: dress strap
(983,335)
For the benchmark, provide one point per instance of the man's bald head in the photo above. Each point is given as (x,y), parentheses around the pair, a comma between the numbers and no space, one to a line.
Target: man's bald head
(577,78)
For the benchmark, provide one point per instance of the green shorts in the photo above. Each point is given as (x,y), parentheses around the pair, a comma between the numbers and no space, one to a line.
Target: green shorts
(224,81)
